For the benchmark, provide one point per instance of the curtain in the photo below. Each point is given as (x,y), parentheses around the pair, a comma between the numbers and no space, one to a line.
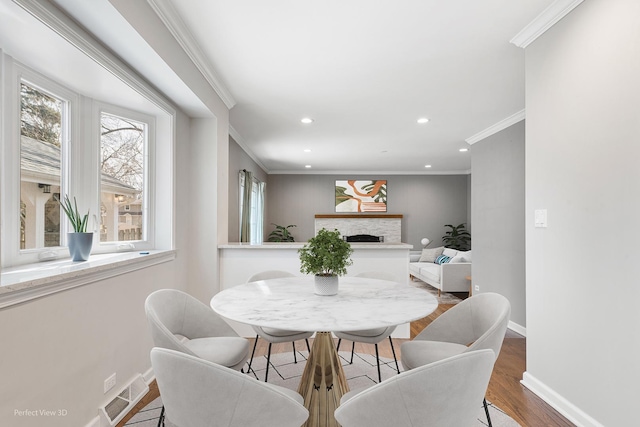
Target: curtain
(258,233)
(246,188)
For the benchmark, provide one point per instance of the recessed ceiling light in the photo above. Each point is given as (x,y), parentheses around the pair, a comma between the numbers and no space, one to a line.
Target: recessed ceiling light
(423,120)
(464,150)
(307,166)
(427,166)
(306,120)
(307,150)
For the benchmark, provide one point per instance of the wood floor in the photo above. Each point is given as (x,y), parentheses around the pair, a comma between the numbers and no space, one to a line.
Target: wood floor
(505,390)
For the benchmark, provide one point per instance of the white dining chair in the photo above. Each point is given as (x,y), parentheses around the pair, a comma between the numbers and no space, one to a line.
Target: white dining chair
(273,335)
(479,322)
(442,394)
(197,393)
(370,336)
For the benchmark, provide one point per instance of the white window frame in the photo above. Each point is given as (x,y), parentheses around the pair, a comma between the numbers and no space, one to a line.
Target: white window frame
(148,239)
(16,74)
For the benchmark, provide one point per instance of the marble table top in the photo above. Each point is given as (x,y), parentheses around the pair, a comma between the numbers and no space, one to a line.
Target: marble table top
(290,303)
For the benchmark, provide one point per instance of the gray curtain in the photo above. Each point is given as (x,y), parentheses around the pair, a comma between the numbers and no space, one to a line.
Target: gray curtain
(246,183)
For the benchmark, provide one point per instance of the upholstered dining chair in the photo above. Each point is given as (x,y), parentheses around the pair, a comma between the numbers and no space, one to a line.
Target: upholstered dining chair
(273,335)
(199,393)
(180,322)
(370,336)
(441,394)
(479,322)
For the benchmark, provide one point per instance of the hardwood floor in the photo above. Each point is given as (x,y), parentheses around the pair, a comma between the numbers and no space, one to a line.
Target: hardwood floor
(504,389)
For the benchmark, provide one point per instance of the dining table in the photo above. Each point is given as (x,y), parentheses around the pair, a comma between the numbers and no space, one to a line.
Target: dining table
(290,303)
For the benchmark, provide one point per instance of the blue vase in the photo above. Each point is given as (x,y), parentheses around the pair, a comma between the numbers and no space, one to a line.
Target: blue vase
(80,245)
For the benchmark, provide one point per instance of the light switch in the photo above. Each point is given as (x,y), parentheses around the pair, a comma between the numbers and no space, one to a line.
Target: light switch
(541,218)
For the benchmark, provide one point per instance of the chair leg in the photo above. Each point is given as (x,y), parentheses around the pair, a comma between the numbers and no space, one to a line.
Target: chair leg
(161,419)
(266,374)
(378,360)
(252,353)
(486,411)
(293,344)
(353,347)
(338,346)
(394,354)
(308,348)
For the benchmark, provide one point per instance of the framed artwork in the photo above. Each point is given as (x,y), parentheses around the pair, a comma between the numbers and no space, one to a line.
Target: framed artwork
(361,196)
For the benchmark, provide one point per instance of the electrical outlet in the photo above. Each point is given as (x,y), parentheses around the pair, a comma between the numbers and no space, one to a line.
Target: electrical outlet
(477,288)
(110,382)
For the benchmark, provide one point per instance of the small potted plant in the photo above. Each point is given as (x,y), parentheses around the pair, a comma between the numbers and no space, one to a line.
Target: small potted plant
(457,238)
(281,234)
(326,256)
(79,240)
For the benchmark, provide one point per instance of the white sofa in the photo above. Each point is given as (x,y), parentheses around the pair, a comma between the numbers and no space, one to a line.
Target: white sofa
(449,276)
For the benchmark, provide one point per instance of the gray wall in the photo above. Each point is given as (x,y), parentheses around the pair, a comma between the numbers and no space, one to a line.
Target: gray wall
(238,160)
(582,151)
(497,188)
(427,203)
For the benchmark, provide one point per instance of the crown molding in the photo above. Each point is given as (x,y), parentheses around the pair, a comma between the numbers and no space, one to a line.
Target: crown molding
(174,23)
(552,14)
(503,124)
(374,173)
(241,142)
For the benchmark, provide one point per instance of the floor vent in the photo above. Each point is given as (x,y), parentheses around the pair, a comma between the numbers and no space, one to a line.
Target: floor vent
(119,406)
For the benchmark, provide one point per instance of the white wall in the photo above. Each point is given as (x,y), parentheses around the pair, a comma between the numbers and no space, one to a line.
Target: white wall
(582,151)
(497,206)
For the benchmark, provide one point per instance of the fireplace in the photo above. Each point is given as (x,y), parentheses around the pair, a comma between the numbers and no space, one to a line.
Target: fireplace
(361,238)
(382,227)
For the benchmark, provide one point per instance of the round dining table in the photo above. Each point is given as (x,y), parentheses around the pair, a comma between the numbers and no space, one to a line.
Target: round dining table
(290,303)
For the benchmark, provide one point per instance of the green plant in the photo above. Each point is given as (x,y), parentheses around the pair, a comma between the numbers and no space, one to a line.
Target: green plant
(281,234)
(457,237)
(79,222)
(326,254)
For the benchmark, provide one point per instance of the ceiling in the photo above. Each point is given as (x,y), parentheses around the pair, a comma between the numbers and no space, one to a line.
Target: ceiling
(364,71)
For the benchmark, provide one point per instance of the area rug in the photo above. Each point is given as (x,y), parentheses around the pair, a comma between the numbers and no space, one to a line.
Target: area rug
(444,298)
(362,373)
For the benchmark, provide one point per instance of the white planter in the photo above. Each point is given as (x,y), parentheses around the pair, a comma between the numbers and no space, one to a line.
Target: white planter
(326,285)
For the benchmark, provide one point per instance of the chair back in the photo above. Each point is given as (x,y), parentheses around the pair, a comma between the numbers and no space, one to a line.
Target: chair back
(479,322)
(198,393)
(269,274)
(441,394)
(172,313)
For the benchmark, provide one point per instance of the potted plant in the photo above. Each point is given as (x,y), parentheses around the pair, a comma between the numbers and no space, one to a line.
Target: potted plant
(281,234)
(79,240)
(457,238)
(326,256)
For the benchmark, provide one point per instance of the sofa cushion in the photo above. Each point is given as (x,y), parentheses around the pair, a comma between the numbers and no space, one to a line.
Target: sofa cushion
(457,258)
(430,255)
(430,271)
(442,259)
(466,256)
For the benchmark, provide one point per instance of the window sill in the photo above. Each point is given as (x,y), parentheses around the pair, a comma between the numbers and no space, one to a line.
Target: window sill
(26,282)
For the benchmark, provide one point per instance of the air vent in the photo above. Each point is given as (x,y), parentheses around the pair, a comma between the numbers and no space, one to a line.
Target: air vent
(119,406)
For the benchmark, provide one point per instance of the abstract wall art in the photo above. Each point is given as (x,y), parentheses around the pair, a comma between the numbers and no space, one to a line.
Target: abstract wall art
(361,196)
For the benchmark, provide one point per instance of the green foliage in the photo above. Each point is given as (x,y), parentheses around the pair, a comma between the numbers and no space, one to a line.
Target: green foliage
(326,254)
(79,222)
(40,115)
(380,196)
(281,234)
(457,237)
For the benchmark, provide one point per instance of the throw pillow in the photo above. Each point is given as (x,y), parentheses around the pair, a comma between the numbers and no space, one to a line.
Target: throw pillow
(466,256)
(430,255)
(442,259)
(449,252)
(457,258)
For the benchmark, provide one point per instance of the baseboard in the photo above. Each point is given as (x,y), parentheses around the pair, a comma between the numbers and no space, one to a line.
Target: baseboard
(519,329)
(149,376)
(574,414)
(94,422)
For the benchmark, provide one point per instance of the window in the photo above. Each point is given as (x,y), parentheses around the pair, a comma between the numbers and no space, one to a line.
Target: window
(41,129)
(123,143)
(59,142)
(251,208)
